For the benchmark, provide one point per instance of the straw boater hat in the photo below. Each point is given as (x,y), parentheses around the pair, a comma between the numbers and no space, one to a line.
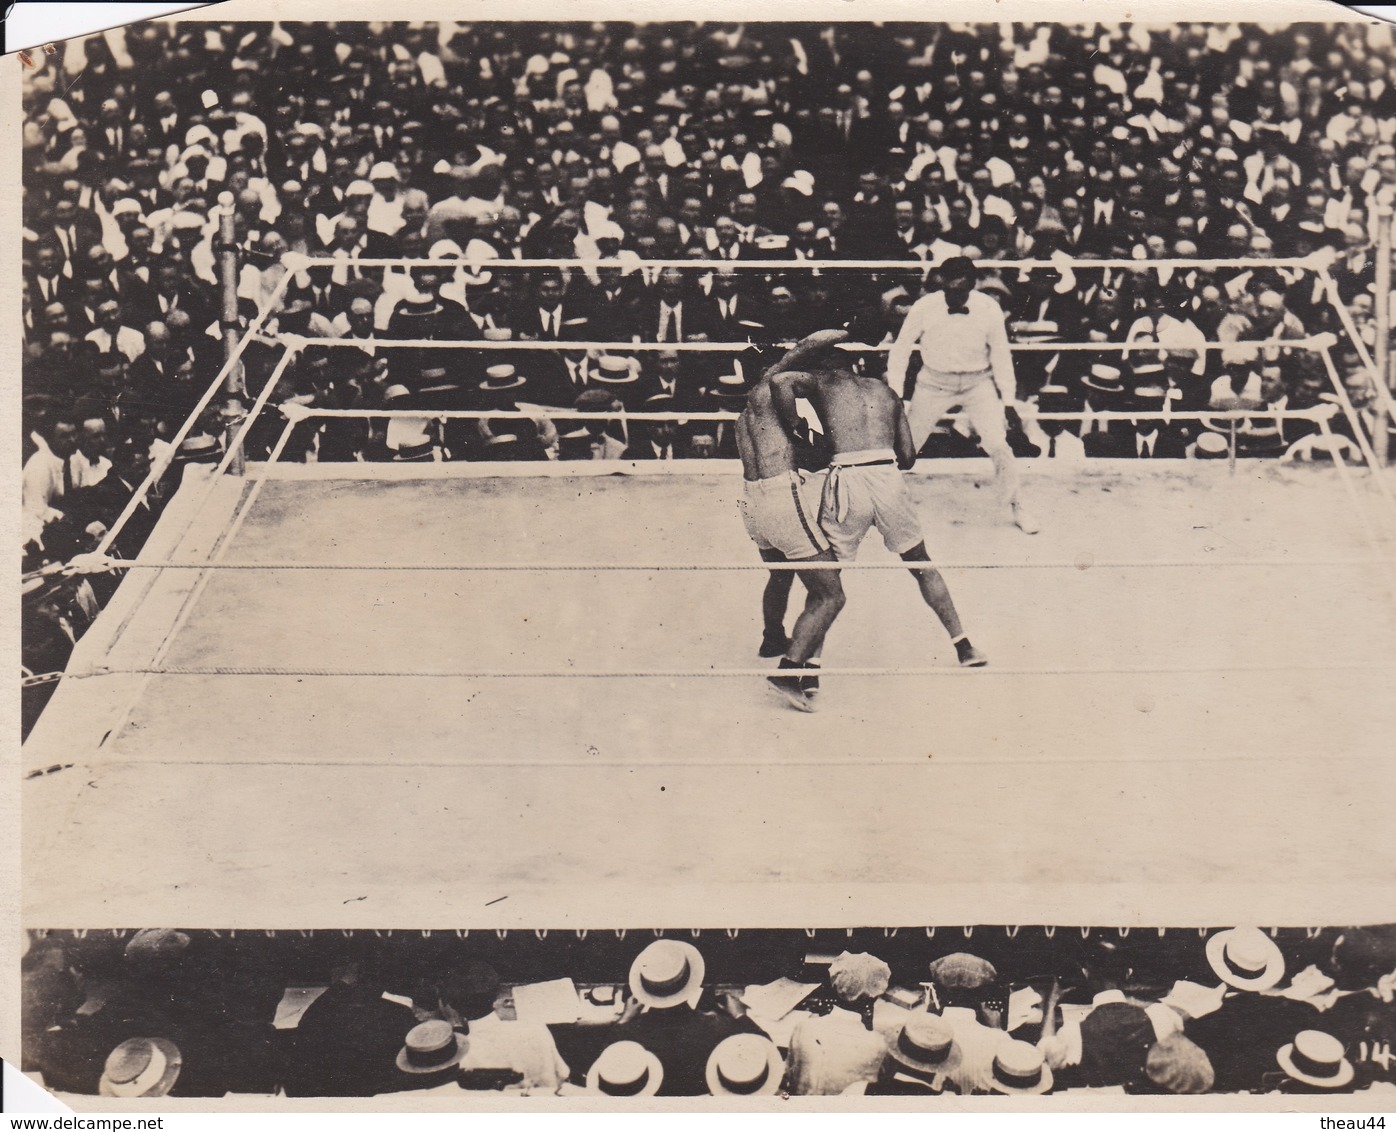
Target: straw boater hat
(730,386)
(613,370)
(432,1047)
(1211,446)
(1105,378)
(1019,1070)
(666,973)
(1246,958)
(745,1065)
(1316,1058)
(500,377)
(926,1043)
(140,1067)
(625,1069)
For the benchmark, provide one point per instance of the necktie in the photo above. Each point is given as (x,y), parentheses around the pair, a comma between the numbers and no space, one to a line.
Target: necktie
(962,309)
(68,476)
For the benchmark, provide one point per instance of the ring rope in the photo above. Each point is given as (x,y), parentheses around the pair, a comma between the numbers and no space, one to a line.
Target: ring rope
(1359,509)
(1311,342)
(725,567)
(1315,261)
(743,673)
(191,599)
(298,412)
(1345,316)
(161,464)
(1379,474)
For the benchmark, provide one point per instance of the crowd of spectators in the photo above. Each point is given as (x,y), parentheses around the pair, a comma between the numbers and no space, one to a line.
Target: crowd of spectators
(603,146)
(984,1011)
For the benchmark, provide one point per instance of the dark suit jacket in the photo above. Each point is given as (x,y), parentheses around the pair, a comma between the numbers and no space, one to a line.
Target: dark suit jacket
(694,317)
(346,1045)
(1242,1038)
(682,1039)
(746,324)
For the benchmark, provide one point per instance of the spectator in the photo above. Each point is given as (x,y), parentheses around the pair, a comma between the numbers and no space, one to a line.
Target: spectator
(831,1053)
(962,983)
(1242,1037)
(668,1017)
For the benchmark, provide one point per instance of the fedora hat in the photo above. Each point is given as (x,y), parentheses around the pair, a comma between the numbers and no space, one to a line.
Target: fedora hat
(666,973)
(1246,958)
(431,1047)
(502,376)
(927,1043)
(1019,1070)
(1264,441)
(140,1067)
(1105,378)
(419,450)
(1055,399)
(1316,1058)
(625,1069)
(745,1065)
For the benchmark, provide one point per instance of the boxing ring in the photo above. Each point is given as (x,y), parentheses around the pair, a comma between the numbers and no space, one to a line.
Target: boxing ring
(509,695)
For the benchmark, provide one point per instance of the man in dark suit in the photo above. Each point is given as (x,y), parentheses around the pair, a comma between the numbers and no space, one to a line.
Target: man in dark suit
(732,312)
(612,302)
(670,374)
(671,312)
(550,313)
(73,231)
(165,125)
(47,283)
(346,1042)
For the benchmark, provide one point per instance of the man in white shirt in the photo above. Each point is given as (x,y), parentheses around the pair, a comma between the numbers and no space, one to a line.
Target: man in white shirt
(89,465)
(46,479)
(385,209)
(831,1052)
(112,336)
(965,363)
(961,983)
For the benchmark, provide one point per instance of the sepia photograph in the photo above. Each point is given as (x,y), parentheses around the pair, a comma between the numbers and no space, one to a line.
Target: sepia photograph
(730,1014)
(546,543)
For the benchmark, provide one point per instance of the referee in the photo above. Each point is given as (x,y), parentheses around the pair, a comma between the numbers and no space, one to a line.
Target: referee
(965,363)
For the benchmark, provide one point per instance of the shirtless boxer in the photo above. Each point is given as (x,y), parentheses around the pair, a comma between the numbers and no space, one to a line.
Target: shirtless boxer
(867,426)
(780,507)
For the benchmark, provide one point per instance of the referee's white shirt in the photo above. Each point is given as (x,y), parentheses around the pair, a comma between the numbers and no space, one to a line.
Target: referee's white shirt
(954,343)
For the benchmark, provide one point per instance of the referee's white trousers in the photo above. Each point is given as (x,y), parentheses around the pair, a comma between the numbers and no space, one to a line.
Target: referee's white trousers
(938,394)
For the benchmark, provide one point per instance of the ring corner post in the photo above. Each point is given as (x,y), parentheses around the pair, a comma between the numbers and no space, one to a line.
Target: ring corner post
(1381,431)
(233,410)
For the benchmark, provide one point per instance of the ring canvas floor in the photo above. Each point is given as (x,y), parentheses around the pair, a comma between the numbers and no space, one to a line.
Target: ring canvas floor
(1150,744)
